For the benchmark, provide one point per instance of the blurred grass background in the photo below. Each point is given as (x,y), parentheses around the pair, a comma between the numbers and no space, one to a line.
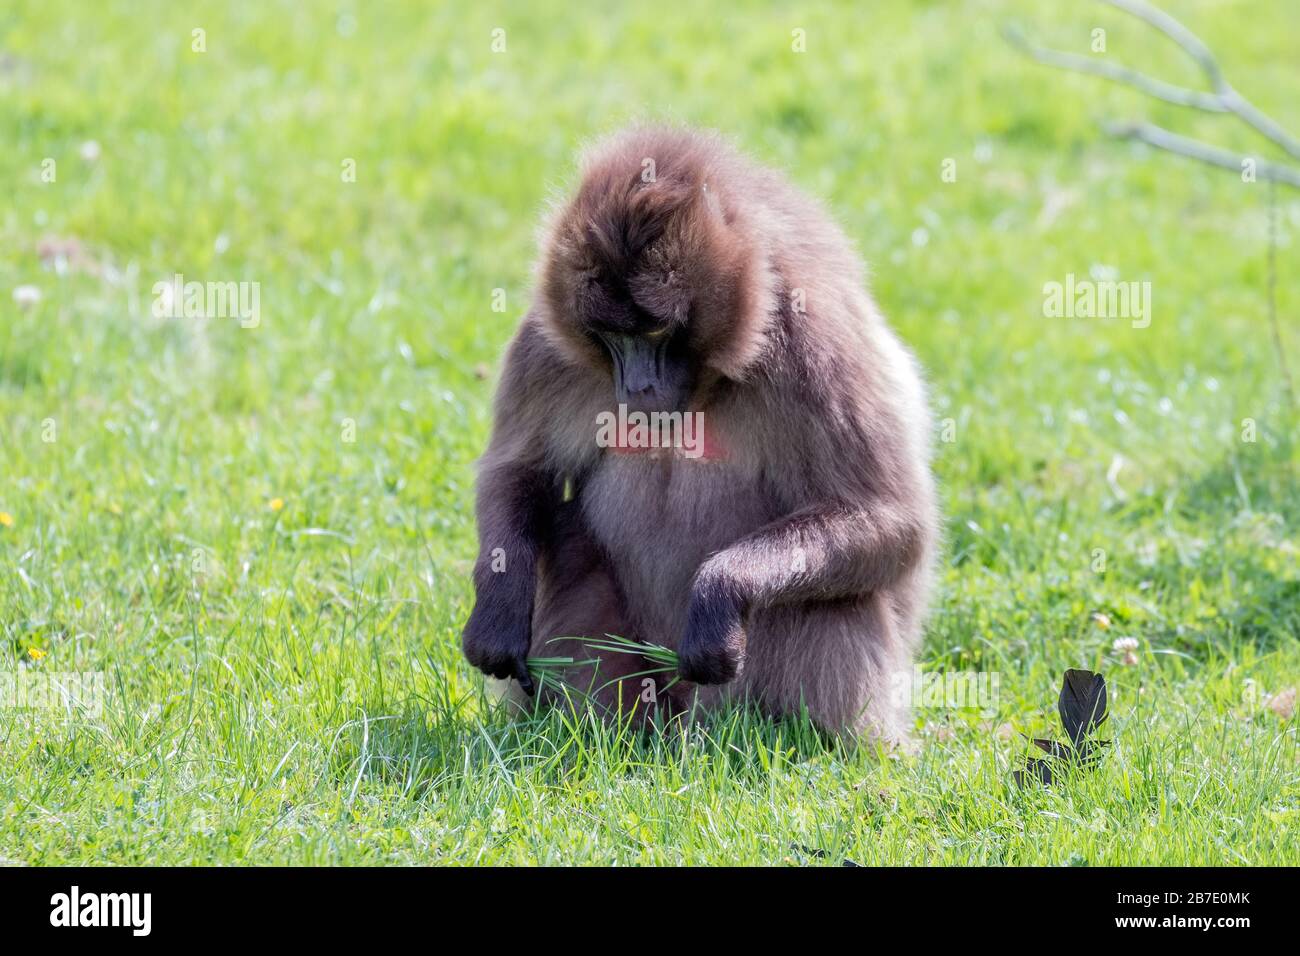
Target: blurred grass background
(286,682)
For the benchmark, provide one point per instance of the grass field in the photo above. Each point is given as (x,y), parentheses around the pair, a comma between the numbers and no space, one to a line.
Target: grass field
(261,536)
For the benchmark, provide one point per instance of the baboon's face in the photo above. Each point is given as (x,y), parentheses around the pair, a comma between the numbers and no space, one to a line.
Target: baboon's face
(641,282)
(643,329)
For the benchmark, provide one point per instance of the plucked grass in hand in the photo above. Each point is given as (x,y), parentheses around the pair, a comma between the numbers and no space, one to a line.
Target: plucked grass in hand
(550,669)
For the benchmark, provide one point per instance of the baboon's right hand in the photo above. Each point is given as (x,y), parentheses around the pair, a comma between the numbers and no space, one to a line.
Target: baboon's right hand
(496,641)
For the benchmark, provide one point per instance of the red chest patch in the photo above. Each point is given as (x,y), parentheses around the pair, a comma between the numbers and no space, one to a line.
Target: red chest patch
(680,434)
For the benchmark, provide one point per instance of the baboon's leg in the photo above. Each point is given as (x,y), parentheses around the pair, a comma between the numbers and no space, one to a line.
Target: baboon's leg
(577,598)
(846,662)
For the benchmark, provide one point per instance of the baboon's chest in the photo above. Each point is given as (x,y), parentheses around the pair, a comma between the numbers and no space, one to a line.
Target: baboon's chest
(658,517)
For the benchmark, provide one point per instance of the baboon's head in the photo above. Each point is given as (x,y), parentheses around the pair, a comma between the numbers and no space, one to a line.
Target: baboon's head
(650,271)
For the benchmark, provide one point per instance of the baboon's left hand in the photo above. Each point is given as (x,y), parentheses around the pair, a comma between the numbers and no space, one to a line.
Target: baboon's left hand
(713,648)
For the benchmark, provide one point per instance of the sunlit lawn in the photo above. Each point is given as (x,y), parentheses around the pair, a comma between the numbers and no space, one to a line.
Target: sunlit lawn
(261,536)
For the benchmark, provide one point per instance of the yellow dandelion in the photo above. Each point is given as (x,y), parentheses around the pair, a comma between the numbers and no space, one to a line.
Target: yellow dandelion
(35,653)
(6,519)
(276,504)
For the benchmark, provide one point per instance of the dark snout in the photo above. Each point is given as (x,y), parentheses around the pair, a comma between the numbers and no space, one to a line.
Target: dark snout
(646,377)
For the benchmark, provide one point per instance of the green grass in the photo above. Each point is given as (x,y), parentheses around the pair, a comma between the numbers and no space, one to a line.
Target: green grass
(286,685)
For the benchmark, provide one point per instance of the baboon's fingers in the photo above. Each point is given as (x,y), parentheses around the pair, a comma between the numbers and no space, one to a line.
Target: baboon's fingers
(525,679)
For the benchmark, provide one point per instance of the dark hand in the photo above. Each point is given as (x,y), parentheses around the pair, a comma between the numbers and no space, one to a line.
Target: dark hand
(713,647)
(496,641)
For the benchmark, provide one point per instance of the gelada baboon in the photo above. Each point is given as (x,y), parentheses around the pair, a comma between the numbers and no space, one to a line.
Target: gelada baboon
(788,558)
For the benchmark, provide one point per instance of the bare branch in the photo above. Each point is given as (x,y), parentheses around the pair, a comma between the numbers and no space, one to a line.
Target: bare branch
(1169,92)
(1162,138)
(1191,44)
(1224,99)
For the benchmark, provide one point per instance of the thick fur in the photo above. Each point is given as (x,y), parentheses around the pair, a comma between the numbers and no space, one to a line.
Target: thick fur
(793,565)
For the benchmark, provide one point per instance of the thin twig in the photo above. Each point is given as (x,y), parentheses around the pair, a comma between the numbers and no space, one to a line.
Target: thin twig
(1233,101)
(1185,38)
(1224,99)
(1288,384)
(1077,63)
(1162,138)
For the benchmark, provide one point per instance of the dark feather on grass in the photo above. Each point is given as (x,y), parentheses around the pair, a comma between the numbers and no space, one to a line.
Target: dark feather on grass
(1053,748)
(1082,707)
(1082,704)
(1035,769)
